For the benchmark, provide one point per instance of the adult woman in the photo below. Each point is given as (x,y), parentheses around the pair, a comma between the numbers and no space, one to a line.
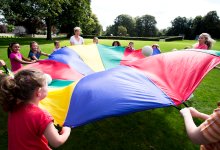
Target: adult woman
(76,39)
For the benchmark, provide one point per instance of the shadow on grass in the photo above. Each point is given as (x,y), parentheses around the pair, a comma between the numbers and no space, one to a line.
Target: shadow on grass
(26,41)
(149,130)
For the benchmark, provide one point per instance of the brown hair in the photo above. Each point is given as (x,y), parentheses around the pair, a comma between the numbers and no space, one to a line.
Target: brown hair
(10,48)
(55,42)
(117,42)
(21,87)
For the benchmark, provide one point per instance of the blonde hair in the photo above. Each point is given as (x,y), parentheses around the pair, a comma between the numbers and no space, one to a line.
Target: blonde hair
(208,40)
(20,88)
(77,29)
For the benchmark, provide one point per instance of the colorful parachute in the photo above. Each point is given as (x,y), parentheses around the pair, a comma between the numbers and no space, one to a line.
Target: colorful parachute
(92,82)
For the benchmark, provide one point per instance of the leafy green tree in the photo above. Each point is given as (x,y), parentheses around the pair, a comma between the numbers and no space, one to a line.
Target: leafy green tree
(127,22)
(31,13)
(211,24)
(92,27)
(75,13)
(181,26)
(197,26)
(122,31)
(146,26)
(110,30)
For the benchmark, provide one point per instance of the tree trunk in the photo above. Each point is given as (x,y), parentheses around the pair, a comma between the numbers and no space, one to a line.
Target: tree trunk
(48,23)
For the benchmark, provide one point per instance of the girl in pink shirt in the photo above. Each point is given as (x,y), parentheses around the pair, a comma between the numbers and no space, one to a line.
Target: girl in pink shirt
(16,57)
(29,127)
(205,42)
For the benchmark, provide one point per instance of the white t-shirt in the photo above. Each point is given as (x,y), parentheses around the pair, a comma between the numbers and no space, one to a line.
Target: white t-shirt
(75,42)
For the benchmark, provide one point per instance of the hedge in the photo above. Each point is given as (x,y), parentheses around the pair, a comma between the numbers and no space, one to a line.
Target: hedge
(166,38)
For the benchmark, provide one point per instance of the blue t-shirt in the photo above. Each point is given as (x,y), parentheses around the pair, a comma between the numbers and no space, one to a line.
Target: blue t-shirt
(31,54)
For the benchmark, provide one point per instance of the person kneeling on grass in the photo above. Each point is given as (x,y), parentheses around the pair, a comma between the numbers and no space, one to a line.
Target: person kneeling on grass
(208,133)
(29,127)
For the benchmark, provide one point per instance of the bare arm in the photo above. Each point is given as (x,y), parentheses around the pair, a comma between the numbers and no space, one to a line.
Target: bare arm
(192,130)
(54,138)
(45,54)
(24,62)
(25,59)
(34,58)
(2,63)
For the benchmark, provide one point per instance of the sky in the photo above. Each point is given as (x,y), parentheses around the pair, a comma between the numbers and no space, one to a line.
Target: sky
(164,11)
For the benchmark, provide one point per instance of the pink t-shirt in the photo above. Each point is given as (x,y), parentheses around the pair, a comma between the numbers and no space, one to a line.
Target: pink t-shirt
(201,46)
(26,126)
(15,65)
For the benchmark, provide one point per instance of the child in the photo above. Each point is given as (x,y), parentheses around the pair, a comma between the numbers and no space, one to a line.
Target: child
(116,43)
(57,45)
(208,133)
(130,46)
(16,57)
(205,42)
(156,49)
(95,40)
(35,51)
(29,127)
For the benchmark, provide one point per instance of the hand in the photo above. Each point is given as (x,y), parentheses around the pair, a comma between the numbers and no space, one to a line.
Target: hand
(65,130)
(194,112)
(185,112)
(33,61)
(2,63)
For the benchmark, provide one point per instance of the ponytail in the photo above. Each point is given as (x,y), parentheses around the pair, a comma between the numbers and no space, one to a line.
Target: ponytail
(7,94)
(21,88)
(10,48)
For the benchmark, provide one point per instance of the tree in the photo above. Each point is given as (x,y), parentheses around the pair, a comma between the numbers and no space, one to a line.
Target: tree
(197,26)
(3,28)
(122,31)
(92,27)
(31,14)
(146,26)
(181,26)
(127,22)
(211,24)
(110,30)
(75,13)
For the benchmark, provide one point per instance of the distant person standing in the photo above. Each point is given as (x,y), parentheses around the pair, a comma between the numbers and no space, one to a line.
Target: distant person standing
(76,39)
(205,42)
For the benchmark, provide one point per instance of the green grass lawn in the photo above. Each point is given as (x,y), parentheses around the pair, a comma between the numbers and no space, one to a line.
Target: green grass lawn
(158,129)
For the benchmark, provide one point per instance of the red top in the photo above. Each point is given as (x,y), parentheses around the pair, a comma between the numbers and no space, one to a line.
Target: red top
(15,65)
(201,46)
(26,125)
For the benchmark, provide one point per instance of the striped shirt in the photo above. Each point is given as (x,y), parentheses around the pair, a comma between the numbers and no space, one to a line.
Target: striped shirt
(211,131)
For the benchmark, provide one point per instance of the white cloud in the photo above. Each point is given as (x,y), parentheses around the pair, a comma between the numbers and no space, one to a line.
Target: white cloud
(163,11)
